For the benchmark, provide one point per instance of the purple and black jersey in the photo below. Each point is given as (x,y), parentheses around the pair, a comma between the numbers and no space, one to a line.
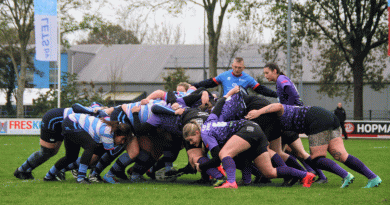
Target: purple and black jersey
(217,133)
(287,92)
(293,118)
(165,121)
(234,108)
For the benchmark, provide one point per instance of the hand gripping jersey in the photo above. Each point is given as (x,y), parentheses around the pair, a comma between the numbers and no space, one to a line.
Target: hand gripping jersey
(99,131)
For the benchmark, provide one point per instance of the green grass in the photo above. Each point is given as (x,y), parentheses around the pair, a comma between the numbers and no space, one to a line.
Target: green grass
(15,150)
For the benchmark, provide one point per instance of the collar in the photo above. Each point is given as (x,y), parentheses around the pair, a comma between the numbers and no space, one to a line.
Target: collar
(236,75)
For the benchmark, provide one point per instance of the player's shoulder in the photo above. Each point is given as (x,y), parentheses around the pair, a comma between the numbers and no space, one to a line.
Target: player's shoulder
(282,79)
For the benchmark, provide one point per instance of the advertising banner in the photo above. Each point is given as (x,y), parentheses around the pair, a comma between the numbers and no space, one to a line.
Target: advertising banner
(20,126)
(371,129)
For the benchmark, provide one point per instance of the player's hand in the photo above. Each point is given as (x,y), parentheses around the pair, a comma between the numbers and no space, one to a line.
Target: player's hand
(175,106)
(234,90)
(144,101)
(252,114)
(136,108)
(179,111)
(205,97)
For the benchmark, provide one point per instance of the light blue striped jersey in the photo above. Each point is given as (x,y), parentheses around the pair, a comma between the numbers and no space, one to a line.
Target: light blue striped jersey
(67,112)
(99,131)
(145,112)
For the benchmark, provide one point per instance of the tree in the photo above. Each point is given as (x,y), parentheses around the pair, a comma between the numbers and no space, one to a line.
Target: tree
(110,34)
(215,12)
(352,30)
(349,34)
(174,78)
(70,94)
(19,15)
(233,41)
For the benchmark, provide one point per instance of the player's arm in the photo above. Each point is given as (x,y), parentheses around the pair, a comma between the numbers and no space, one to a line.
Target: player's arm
(261,89)
(78,108)
(160,109)
(214,162)
(208,83)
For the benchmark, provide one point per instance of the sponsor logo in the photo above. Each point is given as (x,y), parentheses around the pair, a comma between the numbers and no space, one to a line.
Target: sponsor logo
(250,129)
(3,126)
(241,80)
(234,85)
(52,140)
(349,127)
(228,78)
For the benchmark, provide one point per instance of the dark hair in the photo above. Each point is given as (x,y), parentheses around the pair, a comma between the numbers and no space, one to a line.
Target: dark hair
(272,67)
(119,129)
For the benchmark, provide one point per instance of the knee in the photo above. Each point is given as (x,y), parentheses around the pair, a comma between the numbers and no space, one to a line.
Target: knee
(47,152)
(339,156)
(133,153)
(271,174)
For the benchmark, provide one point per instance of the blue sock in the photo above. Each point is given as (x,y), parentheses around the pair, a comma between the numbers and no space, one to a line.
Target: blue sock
(82,172)
(168,166)
(121,163)
(52,172)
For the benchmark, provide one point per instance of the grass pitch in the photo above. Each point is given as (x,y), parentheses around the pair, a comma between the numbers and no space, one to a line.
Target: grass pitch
(16,149)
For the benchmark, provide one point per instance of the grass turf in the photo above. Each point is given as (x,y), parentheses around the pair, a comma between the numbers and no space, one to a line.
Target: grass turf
(16,149)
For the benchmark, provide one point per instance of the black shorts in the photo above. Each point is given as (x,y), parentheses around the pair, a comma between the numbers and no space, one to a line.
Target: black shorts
(252,133)
(319,119)
(51,126)
(270,124)
(69,127)
(289,137)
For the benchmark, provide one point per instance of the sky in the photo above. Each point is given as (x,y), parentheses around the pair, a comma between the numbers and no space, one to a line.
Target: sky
(191,21)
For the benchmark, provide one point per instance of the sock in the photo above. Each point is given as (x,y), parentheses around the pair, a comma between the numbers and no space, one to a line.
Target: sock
(230,168)
(103,162)
(73,165)
(255,171)
(121,163)
(286,171)
(168,166)
(356,165)
(52,172)
(247,174)
(82,172)
(307,167)
(37,158)
(214,172)
(292,162)
(278,160)
(330,166)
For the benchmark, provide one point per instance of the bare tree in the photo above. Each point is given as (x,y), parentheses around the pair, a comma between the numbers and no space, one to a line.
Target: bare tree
(114,77)
(234,40)
(17,16)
